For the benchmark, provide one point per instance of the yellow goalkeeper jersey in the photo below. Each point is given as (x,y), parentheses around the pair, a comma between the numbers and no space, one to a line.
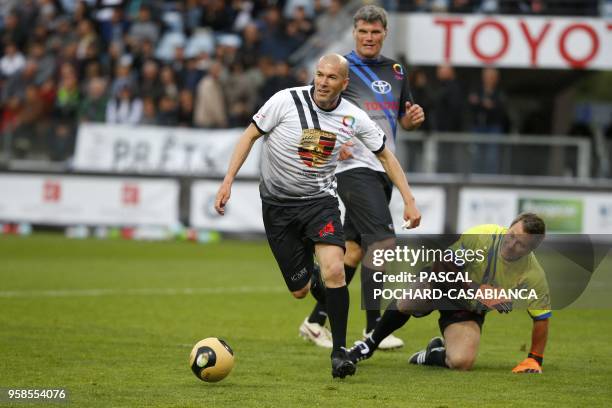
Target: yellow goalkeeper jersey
(524,273)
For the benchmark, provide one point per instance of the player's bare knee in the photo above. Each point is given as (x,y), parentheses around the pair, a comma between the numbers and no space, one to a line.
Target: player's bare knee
(353,253)
(301,293)
(460,362)
(334,275)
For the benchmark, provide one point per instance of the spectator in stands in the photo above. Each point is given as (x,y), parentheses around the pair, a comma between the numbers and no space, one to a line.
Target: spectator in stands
(45,62)
(209,110)
(303,22)
(192,75)
(149,111)
(150,87)
(192,15)
(11,109)
(142,52)
(123,75)
(14,31)
(68,54)
(281,79)
(48,93)
(448,116)
(259,74)
(114,28)
(218,15)
(93,108)
(271,33)
(244,14)
(40,34)
(16,84)
(167,114)
(65,113)
(448,101)
(289,42)
(63,31)
(226,51)
(27,123)
(168,82)
(87,39)
(144,28)
(488,104)
(185,110)
(332,19)
(240,96)
(488,114)
(12,61)
(28,11)
(422,94)
(178,63)
(125,107)
(250,49)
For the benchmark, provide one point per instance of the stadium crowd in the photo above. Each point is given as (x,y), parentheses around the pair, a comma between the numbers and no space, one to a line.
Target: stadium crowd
(195,63)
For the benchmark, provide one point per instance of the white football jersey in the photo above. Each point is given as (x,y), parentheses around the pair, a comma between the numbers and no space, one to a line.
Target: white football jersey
(302,141)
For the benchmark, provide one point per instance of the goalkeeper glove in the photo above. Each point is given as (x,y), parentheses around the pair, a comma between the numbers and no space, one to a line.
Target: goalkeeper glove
(532,364)
(501,305)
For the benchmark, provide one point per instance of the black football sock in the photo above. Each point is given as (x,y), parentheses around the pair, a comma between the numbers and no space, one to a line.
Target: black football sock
(372,319)
(337,310)
(319,314)
(437,357)
(349,273)
(390,321)
(371,305)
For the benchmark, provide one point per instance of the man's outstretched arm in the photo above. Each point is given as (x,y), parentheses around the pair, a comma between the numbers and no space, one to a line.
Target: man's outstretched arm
(539,337)
(398,177)
(241,152)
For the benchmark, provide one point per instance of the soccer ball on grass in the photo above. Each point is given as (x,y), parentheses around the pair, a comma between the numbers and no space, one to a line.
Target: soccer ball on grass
(211,359)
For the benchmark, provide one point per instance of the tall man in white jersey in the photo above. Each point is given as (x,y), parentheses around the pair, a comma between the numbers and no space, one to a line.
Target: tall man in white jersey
(304,129)
(379,86)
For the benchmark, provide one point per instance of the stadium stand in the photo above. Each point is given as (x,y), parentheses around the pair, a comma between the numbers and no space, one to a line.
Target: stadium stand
(211,63)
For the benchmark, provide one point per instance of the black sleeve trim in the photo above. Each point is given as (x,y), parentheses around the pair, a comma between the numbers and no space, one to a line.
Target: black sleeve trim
(381,147)
(263,132)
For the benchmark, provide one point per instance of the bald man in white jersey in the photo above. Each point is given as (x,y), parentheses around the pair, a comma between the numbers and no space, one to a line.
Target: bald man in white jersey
(303,130)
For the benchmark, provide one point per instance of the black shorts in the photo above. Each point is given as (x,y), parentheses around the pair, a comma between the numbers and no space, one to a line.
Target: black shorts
(292,232)
(366,195)
(448,317)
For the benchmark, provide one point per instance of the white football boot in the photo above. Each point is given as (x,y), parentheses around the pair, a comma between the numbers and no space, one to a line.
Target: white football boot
(316,333)
(389,343)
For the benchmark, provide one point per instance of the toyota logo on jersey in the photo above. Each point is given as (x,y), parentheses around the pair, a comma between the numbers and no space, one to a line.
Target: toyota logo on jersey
(381,87)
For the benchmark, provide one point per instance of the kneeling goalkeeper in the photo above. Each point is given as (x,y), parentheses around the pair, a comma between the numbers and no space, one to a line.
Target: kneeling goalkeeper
(510,263)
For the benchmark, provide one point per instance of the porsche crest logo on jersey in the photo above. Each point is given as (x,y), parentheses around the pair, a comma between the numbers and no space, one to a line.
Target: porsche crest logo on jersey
(316,147)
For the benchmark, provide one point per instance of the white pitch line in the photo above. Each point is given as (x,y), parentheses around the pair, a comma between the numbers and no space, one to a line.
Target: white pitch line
(138,292)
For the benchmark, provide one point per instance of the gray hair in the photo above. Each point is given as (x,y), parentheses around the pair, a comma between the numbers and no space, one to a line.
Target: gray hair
(371,14)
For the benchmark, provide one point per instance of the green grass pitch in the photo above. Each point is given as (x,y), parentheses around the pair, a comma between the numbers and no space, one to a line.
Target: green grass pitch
(114,321)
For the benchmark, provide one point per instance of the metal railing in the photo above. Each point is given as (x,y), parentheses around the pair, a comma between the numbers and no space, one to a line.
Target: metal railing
(469,153)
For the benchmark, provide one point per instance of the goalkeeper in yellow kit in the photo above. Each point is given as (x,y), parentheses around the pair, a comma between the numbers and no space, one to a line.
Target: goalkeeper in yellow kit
(509,263)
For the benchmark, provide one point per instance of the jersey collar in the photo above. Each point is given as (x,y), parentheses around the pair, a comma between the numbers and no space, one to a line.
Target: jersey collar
(366,61)
(318,107)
